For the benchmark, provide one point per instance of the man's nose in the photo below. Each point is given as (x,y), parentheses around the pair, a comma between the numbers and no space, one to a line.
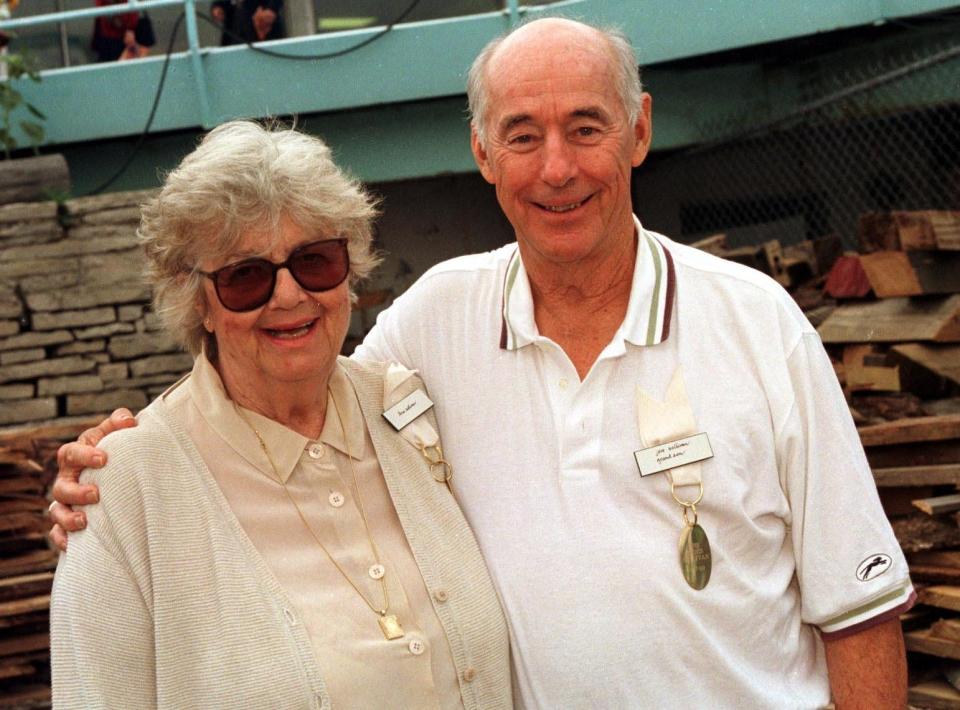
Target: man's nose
(559,161)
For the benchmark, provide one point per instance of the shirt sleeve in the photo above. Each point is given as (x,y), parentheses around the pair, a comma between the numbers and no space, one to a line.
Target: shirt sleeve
(851,571)
(396,336)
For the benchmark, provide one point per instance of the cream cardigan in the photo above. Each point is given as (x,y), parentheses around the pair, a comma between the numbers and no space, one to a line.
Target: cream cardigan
(163,601)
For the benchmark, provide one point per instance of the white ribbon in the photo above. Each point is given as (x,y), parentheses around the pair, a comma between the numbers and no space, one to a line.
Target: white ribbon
(663,422)
(419,432)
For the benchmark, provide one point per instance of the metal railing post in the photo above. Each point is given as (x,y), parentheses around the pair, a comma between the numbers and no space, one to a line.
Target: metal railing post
(196,61)
(513,8)
(64,41)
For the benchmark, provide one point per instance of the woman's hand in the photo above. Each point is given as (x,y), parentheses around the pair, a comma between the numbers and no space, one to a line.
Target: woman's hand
(73,458)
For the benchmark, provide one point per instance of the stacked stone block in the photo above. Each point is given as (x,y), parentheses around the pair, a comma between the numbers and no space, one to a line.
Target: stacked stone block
(77,336)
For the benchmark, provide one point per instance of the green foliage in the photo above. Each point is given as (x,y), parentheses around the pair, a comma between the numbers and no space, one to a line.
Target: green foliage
(18,67)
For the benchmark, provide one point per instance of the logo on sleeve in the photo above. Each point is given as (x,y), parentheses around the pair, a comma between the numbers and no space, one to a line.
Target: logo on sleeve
(873,567)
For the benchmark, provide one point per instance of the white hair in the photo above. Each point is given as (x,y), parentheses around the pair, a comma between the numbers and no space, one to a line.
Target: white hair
(244,176)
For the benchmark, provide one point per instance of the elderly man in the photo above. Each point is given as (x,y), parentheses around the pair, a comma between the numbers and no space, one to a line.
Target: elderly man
(607,395)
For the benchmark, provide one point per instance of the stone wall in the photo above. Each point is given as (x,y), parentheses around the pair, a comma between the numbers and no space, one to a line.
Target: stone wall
(76,333)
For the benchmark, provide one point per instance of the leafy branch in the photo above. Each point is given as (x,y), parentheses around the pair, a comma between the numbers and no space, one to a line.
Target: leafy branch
(17,67)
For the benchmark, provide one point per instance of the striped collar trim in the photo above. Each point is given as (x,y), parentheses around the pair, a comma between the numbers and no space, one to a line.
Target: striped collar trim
(649,310)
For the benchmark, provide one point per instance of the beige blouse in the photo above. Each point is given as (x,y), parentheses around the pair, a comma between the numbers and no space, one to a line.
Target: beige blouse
(361,668)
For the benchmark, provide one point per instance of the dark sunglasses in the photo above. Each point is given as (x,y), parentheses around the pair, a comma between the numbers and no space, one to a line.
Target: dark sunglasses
(248,284)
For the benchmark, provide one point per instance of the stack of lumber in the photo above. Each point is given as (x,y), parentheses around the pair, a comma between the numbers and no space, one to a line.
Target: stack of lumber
(889,316)
(27,468)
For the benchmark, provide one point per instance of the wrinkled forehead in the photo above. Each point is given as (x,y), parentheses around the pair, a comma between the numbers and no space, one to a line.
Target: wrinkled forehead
(563,74)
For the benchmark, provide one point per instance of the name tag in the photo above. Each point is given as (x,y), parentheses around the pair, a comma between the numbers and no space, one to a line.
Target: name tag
(407,409)
(672,454)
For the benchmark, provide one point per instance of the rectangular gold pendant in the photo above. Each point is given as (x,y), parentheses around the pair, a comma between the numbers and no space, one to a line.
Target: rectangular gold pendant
(390,627)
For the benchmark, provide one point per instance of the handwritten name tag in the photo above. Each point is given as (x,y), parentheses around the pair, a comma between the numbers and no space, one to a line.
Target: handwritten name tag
(407,409)
(672,454)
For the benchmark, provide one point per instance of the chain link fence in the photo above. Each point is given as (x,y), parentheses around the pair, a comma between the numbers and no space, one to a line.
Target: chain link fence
(882,137)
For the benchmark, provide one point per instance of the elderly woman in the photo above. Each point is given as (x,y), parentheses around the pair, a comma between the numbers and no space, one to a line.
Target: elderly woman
(265,538)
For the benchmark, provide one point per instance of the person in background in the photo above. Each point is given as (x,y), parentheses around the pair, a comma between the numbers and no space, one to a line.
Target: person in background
(248,20)
(297,551)
(128,35)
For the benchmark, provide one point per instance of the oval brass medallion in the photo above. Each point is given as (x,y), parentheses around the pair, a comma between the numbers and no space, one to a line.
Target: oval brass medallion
(695,559)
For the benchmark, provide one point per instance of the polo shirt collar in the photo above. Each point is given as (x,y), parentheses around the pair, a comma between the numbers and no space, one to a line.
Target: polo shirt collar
(647,321)
(235,424)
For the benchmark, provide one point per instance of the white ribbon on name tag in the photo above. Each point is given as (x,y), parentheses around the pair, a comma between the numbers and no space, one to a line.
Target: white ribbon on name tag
(670,422)
(403,409)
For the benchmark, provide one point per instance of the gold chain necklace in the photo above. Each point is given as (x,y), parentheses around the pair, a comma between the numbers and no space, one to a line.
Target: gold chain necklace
(389,625)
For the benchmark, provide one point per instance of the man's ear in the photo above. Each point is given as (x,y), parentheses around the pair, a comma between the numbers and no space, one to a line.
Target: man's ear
(480,155)
(643,130)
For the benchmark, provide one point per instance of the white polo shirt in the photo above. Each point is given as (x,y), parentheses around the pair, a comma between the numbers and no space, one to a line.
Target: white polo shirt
(584,551)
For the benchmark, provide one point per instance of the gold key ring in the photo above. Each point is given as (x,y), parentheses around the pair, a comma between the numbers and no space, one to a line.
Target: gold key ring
(686,503)
(434,456)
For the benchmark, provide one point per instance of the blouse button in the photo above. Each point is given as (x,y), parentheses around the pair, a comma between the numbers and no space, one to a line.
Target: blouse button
(417,647)
(315,451)
(336,499)
(376,571)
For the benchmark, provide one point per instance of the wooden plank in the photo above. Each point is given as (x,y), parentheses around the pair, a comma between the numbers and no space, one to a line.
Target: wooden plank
(929,229)
(944,596)
(915,273)
(921,453)
(923,642)
(24,644)
(935,574)
(946,629)
(938,504)
(35,561)
(918,532)
(17,670)
(894,320)
(902,431)
(940,558)
(940,360)
(847,279)
(917,476)
(860,375)
(934,695)
(890,274)
(25,606)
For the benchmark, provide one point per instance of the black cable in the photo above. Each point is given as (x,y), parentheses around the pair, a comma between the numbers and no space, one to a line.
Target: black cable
(279,55)
(312,57)
(153,112)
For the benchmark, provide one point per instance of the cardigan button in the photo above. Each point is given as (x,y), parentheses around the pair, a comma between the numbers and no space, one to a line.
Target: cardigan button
(441,595)
(470,674)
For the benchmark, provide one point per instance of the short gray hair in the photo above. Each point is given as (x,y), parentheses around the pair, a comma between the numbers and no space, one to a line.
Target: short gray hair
(244,176)
(629,88)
